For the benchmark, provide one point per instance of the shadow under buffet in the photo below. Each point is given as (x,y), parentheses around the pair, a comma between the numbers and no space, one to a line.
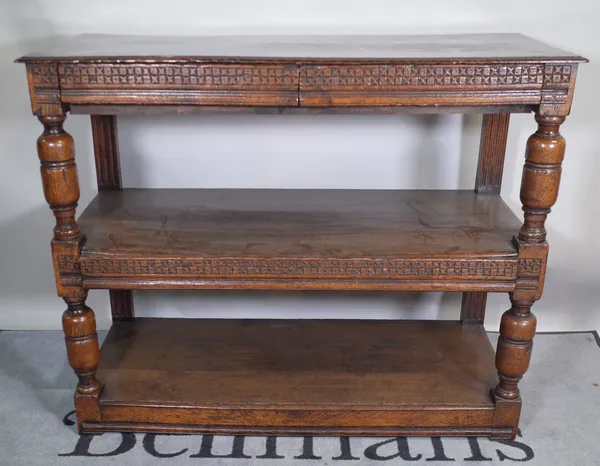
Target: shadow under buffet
(355,377)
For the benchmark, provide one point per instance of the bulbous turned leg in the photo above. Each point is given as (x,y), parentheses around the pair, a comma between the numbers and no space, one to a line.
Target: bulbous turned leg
(79,325)
(56,151)
(541,177)
(539,189)
(517,329)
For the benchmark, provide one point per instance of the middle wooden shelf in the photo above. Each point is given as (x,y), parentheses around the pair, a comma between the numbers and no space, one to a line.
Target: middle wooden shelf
(298,239)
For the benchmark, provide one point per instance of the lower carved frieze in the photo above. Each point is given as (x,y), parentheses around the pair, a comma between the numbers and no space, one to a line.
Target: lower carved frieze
(504,269)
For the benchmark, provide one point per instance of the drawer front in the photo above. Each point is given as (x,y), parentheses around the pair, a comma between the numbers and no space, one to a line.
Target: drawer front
(417,85)
(178,83)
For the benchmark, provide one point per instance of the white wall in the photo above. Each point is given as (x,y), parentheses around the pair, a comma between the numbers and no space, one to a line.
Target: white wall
(298,151)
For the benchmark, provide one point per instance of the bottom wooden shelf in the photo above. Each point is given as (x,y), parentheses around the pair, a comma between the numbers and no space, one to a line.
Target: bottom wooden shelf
(298,377)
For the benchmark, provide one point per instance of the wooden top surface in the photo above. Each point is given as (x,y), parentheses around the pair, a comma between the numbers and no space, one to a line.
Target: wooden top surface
(297,363)
(460,47)
(246,223)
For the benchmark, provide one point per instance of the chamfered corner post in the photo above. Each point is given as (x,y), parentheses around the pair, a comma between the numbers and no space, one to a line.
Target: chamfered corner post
(473,307)
(108,175)
(539,191)
(61,189)
(492,151)
(488,180)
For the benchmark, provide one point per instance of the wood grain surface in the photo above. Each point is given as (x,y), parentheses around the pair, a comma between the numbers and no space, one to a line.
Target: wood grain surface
(290,47)
(297,363)
(297,375)
(298,223)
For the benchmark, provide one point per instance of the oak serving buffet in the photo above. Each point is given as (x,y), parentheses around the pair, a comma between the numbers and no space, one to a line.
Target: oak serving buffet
(356,377)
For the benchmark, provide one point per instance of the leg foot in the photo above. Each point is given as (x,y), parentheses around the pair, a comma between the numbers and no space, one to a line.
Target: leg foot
(514,348)
(79,325)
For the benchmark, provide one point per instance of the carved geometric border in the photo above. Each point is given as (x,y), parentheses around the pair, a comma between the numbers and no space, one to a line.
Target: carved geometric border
(530,267)
(226,76)
(46,79)
(43,85)
(177,76)
(395,76)
(44,75)
(557,75)
(306,268)
(68,264)
(557,94)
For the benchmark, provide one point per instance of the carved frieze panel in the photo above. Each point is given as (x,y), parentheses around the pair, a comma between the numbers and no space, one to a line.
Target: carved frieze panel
(164,76)
(284,84)
(302,268)
(412,76)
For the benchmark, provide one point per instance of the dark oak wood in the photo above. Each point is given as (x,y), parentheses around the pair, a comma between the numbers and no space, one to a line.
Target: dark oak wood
(187,429)
(249,110)
(290,48)
(167,237)
(320,71)
(492,150)
(121,305)
(298,375)
(56,151)
(539,190)
(283,377)
(61,188)
(292,223)
(541,177)
(79,326)
(106,152)
(473,307)
(336,362)
(108,174)
(490,166)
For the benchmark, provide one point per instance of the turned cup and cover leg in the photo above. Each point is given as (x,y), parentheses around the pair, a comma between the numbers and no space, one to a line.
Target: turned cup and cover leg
(61,189)
(539,191)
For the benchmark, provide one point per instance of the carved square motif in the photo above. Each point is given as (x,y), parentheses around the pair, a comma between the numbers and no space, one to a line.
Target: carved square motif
(557,74)
(83,75)
(306,267)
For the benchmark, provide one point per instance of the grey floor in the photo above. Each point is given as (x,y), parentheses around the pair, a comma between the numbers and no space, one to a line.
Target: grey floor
(560,422)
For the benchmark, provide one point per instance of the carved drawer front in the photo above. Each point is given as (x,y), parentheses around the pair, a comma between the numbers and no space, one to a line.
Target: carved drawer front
(178,83)
(405,84)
